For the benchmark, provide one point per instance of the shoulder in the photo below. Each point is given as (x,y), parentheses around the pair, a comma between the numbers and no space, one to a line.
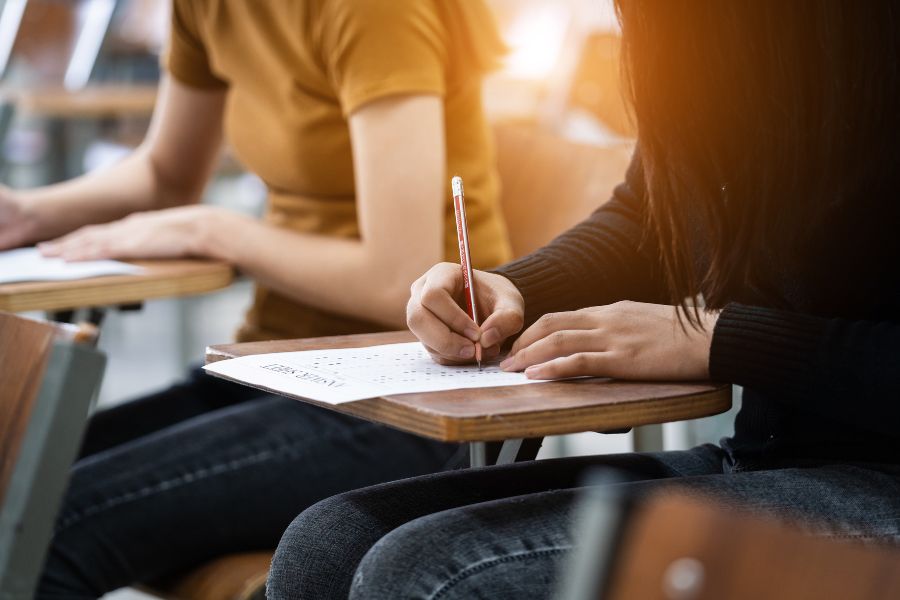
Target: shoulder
(379,15)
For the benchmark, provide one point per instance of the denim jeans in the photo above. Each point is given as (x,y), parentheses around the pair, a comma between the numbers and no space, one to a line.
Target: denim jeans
(207,468)
(503,532)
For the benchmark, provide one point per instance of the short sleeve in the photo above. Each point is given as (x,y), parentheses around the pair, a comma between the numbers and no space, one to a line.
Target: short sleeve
(378,48)
(185,56)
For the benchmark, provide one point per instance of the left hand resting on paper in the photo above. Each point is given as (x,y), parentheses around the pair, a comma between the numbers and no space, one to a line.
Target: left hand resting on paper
(625,340)
(168,233)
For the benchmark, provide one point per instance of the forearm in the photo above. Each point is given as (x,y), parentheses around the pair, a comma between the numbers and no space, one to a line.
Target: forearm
(338,275)
(132,185)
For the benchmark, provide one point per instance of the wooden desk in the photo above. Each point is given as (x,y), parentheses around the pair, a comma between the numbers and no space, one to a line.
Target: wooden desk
(161,278)
(510,413)
(94,102)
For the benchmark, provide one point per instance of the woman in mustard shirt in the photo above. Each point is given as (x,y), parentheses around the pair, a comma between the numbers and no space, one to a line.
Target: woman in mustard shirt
(354,113)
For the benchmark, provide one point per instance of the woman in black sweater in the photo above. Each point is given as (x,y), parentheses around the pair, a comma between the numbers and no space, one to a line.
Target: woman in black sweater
(766,181)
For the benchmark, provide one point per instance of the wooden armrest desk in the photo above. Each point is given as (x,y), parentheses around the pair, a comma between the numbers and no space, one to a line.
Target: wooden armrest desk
(160,279)
(508,413)
(94,102)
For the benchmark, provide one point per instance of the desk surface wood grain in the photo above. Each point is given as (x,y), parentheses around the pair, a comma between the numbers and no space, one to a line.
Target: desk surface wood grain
(160,279)
(510,412)
(94,102)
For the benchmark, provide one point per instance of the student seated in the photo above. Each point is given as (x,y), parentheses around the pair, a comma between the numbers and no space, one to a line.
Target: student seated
(354,113)
(765,179)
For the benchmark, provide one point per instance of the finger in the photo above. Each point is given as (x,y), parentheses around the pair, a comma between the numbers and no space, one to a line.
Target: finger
(49,249)
(490,353)
(441,360)
(436,336)
(93,246)
(593,364)
(67,244)
(555,345)
(436,298)
(94,250)
(502,323)
(553,322)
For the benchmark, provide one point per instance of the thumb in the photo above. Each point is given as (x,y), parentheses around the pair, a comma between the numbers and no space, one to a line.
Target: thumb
(506,320)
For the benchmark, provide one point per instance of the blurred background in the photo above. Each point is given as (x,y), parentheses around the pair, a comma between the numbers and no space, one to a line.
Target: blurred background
(77,87)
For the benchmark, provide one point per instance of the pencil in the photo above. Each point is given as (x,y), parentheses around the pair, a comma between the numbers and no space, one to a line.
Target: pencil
(465,262)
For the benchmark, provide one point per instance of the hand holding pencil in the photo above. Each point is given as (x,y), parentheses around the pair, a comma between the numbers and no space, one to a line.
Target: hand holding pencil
(435,313)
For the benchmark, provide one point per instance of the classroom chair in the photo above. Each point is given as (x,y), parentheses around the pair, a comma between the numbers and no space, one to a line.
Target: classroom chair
(678,547)
(50,376)
(548,184)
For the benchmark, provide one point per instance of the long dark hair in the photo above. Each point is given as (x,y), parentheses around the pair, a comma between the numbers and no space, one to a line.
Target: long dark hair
(754,117)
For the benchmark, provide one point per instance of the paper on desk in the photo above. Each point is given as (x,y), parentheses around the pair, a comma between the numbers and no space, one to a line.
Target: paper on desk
(27,264)
(337,376)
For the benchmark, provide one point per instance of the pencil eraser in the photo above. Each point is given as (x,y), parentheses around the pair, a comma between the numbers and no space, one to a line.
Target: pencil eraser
(457,185)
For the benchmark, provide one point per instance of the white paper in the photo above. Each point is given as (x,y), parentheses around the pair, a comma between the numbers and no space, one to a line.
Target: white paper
(337,376)
(27,264)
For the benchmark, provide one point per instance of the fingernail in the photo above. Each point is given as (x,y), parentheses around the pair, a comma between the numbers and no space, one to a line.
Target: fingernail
(471,333)
(467,352)
(533,372)
(507,362)
(490,337)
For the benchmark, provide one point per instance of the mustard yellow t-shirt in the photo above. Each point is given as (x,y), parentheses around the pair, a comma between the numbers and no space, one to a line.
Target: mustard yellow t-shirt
(294,70)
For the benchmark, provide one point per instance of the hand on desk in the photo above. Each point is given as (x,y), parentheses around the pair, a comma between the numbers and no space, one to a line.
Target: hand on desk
(435,315)
(169,233)
(625,340)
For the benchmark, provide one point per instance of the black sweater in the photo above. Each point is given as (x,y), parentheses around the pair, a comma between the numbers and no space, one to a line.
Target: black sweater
(820,366)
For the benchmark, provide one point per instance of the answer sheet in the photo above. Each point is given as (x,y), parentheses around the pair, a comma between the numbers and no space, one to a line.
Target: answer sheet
(27,264)
(337,376)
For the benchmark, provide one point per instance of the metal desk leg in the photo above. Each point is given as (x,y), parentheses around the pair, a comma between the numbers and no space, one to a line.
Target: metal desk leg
(509,451)
(648,438)
(477,454)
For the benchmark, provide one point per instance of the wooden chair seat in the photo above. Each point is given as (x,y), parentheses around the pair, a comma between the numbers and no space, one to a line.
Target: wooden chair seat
(232,577)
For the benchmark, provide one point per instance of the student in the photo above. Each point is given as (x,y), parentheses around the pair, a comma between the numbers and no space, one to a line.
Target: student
(354,113)
(766,179)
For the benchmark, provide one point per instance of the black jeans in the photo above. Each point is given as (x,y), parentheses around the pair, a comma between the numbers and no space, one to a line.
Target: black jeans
(207,468)
(502,533)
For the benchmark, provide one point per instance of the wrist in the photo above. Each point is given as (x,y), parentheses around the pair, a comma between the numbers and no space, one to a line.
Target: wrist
(26,217)
(215,232)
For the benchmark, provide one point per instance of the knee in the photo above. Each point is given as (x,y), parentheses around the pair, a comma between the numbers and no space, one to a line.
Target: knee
(411,561)
(461,554)
(318,552)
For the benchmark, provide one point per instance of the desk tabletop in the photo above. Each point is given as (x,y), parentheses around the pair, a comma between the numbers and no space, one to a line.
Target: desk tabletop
(96,101)
(160,279)
(500,413)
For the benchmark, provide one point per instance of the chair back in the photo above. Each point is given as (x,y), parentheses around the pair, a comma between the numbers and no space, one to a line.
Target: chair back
(675,547)
(549,184)
(49,376)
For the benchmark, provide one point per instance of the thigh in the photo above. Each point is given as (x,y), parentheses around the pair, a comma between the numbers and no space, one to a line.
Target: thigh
(199,393)
(227,481)
(319,551)
(514,548)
